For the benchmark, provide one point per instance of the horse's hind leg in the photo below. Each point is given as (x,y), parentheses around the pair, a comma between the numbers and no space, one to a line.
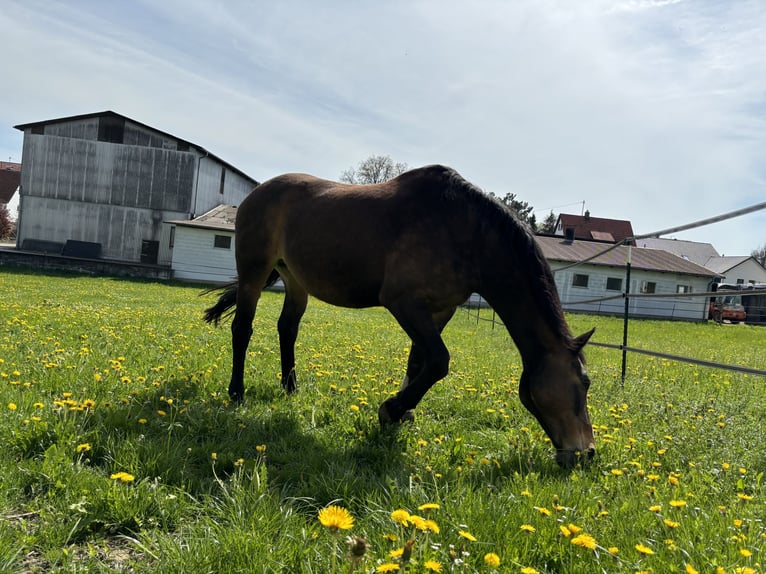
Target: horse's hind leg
(293,308)
(248,293)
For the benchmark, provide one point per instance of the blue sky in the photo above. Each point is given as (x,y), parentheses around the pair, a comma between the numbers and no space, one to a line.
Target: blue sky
(648,110)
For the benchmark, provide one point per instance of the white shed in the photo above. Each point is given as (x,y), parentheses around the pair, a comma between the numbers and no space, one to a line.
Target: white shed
(203,248)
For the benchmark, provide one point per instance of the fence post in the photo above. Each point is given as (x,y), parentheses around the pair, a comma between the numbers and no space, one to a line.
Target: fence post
(625,319)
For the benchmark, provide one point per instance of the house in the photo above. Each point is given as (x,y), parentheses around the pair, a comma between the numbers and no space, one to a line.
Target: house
(10,179)
(653,271)
(101,185)
(589,228)
(737,270)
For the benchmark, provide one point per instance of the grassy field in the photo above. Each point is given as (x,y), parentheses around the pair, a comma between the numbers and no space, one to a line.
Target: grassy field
(121,451)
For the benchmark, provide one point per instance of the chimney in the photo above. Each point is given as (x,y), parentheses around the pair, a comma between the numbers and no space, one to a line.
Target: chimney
(587,215)
(569,235)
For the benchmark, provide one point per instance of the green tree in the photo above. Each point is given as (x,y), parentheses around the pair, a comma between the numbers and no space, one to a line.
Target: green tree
(523,210)
(549,224)
(374,169)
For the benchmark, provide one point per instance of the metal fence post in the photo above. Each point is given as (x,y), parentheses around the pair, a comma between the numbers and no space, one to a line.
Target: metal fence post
(625,320)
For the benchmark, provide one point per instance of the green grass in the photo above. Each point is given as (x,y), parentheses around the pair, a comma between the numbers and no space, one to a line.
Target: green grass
(102,376)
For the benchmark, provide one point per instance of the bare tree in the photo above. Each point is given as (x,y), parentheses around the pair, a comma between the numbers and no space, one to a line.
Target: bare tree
(375,169)
(759,255)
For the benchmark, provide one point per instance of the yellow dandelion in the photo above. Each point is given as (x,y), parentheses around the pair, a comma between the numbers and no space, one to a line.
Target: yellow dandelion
(691,569)
(335,518)
(493,561)
(671,523)
(432,566)
(429,506)
(544,511)
(655,508)
(401,517)
(677,503)
(161,413)
(84,447)
(616,472)
(585,541)
(745,552)
(565,530)
(12,406)
(467,535)
(391,537)
(432,526)
(123,477)
(613,550)
(387,567)
(573,528)
(396,552)
(214,455)
(418,522)
(527,528)
(260,449)
(644,549)
(529,570)
(744,497)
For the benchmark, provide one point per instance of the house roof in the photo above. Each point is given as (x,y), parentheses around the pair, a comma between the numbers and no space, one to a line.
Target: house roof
(693,251)
(556,248)
(599,228)
(110,113)
(723,264)
(220,218)
(10,178)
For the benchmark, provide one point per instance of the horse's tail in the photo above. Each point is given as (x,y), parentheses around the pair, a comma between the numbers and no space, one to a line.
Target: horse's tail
(228,299)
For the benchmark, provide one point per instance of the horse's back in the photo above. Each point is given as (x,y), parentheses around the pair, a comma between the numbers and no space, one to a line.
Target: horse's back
(347,243)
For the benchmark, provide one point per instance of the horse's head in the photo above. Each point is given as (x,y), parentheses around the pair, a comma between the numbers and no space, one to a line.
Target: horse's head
(555,391)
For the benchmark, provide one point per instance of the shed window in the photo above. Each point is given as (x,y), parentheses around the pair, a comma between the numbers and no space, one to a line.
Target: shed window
(683,288)
(222,241)
(223,181)
(579,280)
(614,284)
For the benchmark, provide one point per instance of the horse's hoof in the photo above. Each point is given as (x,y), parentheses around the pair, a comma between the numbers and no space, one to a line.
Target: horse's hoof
(391,412)
(237,397)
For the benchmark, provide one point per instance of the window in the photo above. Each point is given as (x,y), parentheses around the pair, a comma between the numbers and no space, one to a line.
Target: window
(740,281)
(648,287)
(172,241)
(111,129)
(614,284)
(683,288)
(223,180)
(222,241)
(579,280)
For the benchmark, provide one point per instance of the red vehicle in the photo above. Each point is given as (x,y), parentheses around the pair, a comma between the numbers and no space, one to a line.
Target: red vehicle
(727,307)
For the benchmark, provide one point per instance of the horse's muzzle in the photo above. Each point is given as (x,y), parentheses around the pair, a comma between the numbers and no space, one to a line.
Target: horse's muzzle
(569,458)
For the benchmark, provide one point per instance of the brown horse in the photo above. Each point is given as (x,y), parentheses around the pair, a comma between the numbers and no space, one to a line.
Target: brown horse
(418,245)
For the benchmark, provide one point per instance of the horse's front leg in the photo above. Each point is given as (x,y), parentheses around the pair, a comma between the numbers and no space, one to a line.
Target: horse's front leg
(428,362)
(293,308)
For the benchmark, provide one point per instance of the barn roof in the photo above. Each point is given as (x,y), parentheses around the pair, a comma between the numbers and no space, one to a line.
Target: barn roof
(599,228)
(556,248)
(220,218)
(110,113)
(726,263)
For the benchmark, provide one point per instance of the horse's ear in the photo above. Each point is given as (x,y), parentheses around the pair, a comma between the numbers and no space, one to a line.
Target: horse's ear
(583,339)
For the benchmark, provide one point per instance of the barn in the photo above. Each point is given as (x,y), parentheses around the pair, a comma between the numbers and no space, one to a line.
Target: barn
(101,185)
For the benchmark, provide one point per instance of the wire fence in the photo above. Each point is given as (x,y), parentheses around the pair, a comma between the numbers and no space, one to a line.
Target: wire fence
(667,304)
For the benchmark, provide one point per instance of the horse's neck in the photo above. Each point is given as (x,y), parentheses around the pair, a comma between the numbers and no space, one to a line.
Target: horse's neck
(527,322)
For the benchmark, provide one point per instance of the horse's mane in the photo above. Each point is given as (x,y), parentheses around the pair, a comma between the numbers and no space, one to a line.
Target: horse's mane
(493,214)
